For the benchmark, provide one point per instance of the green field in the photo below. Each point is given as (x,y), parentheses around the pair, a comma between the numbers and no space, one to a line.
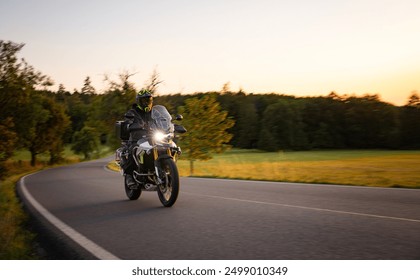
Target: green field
(350,167)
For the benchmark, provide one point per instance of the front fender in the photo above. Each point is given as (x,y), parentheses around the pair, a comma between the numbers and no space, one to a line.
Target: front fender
(162,156)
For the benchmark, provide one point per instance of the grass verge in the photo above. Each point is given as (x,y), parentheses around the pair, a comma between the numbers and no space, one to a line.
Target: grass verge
(17,242)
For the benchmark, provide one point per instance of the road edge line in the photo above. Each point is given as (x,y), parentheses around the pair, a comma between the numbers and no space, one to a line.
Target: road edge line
(77,237)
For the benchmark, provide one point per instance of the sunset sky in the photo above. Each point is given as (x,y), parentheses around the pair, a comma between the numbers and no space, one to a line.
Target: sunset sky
(298,47)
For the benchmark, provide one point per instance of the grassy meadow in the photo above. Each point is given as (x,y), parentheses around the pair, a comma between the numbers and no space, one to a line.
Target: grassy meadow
(377,168)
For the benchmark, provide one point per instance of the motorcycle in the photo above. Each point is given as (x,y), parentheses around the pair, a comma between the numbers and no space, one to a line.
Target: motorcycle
(155,157)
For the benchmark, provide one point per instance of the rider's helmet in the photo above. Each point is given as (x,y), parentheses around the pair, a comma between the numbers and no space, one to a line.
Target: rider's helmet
(144,100)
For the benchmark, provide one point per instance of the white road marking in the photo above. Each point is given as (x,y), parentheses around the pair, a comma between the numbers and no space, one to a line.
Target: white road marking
(306,208)
(370,188)
(80,239)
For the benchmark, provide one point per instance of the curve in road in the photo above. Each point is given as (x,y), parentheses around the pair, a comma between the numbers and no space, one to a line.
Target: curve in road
(85,205)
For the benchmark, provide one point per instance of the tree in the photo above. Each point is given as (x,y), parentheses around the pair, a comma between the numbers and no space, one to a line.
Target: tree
(153,82)
(7,143)
(370,123)
(410,123)
(114,103)
(226,88)
(46,128)
(267,141)
(111,107)
(87,87)
(242,108)
(324,121)
(32,115)
(18,74)
(414,100)
(124,84)
(283,122)
(57,128)
(85,141)
(12,87)
(207,127)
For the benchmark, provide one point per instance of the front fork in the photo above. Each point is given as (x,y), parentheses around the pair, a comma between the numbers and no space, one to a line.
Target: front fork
(160,173)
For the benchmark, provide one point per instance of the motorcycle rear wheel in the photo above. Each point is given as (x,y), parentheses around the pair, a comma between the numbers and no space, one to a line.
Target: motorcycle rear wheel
(131,194)
(168,193)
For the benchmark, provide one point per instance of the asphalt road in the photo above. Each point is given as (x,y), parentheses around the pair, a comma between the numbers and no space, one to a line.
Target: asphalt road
(217,219)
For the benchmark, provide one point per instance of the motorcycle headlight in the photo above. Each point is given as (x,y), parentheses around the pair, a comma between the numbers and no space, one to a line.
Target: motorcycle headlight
(161,137)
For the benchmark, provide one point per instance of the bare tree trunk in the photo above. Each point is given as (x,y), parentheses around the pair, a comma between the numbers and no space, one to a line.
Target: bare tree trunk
(33,157)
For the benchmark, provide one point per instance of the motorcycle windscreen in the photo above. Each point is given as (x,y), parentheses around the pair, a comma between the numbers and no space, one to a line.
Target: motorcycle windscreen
(162,119)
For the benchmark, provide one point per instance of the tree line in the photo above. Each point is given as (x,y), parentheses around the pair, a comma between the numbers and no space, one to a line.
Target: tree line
(35,118)
(273,122)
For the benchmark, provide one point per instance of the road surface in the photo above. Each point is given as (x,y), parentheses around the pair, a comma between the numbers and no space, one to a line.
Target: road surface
(86,207)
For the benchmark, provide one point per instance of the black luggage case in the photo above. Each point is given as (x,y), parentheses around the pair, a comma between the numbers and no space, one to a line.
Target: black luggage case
(121,129)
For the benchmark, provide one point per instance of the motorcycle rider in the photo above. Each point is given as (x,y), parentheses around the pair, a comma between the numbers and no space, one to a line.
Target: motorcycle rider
(139,119)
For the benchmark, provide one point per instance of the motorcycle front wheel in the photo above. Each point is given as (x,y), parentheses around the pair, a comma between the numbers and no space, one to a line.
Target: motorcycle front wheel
(168,191)
(132,194)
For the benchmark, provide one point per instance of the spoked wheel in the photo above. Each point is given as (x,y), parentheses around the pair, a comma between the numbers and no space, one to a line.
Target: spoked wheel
(131,194)
(168,191)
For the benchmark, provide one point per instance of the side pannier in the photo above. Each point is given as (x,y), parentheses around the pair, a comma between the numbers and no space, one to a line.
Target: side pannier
(121,129)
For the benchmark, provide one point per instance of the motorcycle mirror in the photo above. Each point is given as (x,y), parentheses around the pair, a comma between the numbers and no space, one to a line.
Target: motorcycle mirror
(179,117)
(180,129)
